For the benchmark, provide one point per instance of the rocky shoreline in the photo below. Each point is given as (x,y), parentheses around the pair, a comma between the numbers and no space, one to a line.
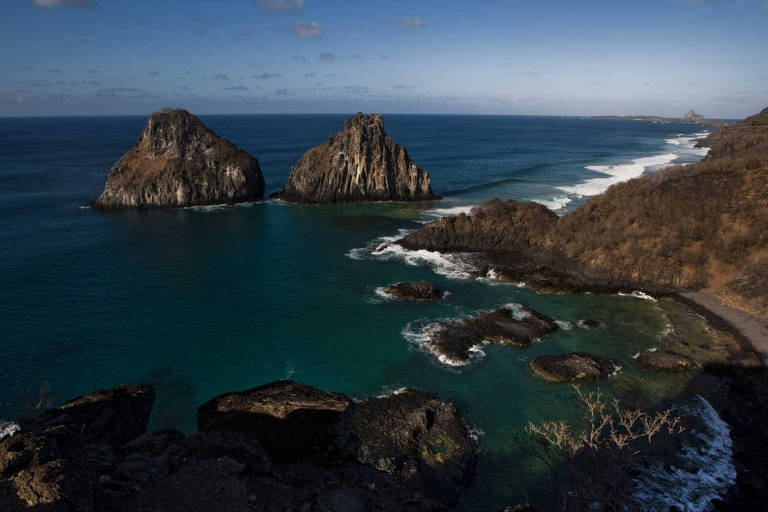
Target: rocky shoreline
(280,446)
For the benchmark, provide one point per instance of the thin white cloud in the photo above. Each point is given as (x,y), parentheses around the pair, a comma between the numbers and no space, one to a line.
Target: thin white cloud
(281,5)
(406,22)
(307,29)
(327,57)
(63,3)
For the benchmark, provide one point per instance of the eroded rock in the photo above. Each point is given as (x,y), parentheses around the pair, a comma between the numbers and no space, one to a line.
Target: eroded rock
(419,291)
(665,361)
(574,367)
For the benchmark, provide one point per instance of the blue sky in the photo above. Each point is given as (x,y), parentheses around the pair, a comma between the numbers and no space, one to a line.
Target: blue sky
(569,57)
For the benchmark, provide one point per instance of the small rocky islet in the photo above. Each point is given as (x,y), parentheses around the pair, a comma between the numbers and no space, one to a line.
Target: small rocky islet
(360,163)
(176,162)
(281,446)
(417,291)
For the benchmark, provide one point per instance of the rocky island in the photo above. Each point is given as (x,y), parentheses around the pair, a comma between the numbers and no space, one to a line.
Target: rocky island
(361,163)
(178,162)
(281,446)
(690,117)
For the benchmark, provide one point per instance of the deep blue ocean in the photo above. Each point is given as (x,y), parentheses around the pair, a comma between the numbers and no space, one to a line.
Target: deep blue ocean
(200,301)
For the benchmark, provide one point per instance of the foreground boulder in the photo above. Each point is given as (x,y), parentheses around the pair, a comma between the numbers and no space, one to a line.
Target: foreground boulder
(575,367)
(665,361)
(456,342)
(417,438)
(257,450)
(177,162)
(360,163)
(419,291)
(288,419)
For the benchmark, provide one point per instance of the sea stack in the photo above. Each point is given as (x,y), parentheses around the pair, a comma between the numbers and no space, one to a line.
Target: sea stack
(359,164)
(178,162)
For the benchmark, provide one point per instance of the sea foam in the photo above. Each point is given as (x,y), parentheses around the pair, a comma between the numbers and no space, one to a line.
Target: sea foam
(613,174)
(8,428)
(701,472)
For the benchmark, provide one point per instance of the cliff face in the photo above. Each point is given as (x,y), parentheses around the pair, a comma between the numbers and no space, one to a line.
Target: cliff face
(360,163)
(686,227)
(177,161)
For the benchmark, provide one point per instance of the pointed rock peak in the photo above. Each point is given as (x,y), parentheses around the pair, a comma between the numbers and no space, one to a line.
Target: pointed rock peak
(363,121)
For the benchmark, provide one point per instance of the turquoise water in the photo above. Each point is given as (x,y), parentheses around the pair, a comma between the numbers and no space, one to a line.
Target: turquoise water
(206,300)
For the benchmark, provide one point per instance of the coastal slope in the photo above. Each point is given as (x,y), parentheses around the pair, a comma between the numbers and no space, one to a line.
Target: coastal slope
(177,161)
(692,227)
(360,163)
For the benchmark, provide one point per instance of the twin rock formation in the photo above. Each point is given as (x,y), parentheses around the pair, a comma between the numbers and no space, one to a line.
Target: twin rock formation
(178,162)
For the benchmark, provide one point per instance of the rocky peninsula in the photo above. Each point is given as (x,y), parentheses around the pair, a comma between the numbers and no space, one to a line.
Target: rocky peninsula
(178,162)
(360,163)
(281,446)
(689,227)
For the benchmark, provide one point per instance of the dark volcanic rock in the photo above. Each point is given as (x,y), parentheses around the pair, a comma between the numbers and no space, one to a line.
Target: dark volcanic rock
(176,162)
(289,419)
(111,416)
(454,341)
(360,163)
(589,324)
(422,291)
(575,367)
(418,438)
(408,452)
(665,361)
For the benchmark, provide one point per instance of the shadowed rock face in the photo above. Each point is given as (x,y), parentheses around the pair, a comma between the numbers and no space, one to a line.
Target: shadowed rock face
(665,361)
(420,291)
(360,163)
(410,452)
(575,367)
(289,419)
(453,342)
(177,162)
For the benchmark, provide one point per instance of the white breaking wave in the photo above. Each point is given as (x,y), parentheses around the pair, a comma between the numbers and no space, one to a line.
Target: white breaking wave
(702,472)
(421,335)
(614,174)
(453,210)
(637,294)
(554,203)
(566,326)
(8,428)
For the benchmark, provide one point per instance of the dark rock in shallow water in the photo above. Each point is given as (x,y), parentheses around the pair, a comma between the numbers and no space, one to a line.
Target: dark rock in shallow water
(589,324)
(417,438)
(360,163)
(575,367)
(665,361)
(176,162)
(422,291)
(455,341)
(289,419)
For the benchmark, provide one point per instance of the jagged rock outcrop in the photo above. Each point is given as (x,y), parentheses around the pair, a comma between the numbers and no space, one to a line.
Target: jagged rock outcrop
(360,163)
(419,291)
(456,342)
(687,227)
(575,367)
(410,451)
(177,162)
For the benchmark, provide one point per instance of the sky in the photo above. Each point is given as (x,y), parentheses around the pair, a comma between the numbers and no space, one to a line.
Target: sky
(550,57)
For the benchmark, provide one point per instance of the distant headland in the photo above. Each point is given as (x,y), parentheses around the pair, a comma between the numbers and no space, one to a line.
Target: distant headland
(690,117)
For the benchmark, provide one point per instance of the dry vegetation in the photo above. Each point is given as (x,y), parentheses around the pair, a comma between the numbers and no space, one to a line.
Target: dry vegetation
(590,468)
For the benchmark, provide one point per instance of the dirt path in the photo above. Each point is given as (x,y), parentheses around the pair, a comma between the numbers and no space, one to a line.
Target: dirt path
(750,328)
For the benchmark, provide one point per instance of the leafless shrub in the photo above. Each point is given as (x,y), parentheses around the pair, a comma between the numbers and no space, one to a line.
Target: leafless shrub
(590,467)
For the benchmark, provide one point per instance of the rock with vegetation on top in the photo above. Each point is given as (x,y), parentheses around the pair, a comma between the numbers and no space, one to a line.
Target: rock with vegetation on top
(178,162)
(420,291)
(360,163)
(575,367)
